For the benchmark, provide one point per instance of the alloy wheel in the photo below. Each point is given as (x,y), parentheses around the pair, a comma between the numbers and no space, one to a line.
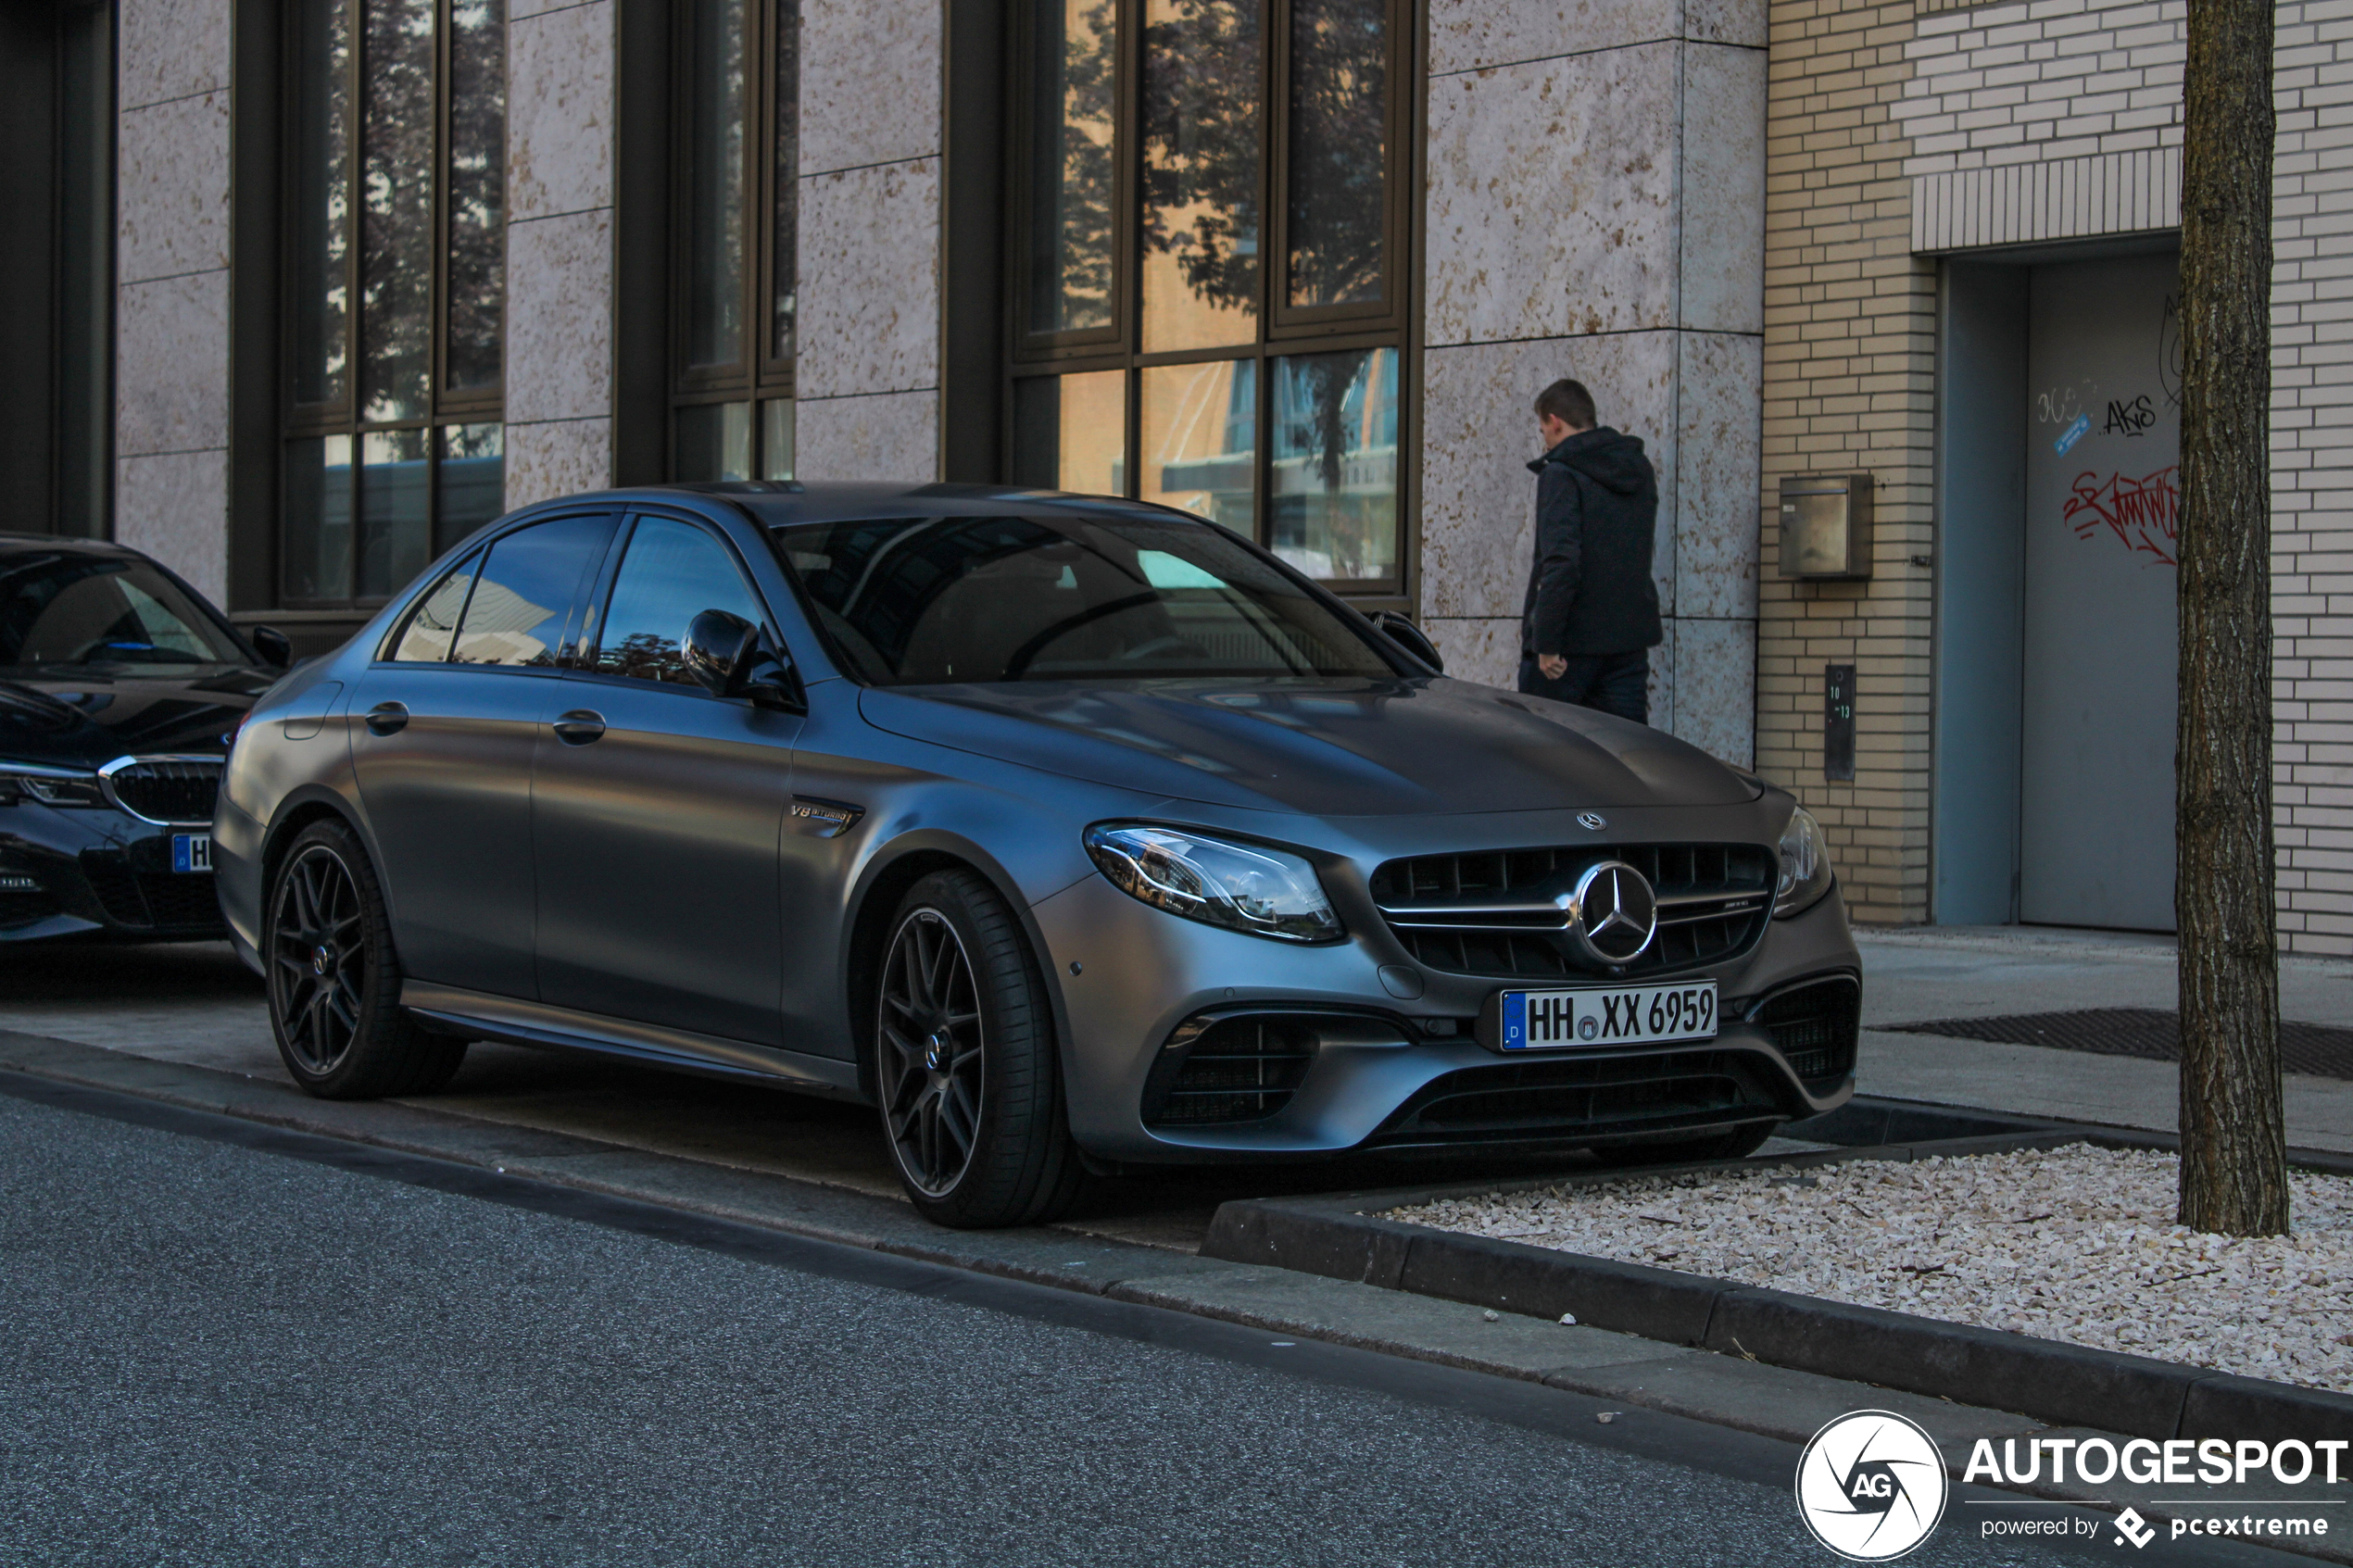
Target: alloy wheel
(930,1051)
(318,958)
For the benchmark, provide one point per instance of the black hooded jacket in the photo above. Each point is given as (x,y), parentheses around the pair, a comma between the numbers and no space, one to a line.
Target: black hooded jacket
(1596,508)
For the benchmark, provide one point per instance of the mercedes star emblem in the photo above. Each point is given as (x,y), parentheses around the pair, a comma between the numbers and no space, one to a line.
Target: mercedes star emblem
(1591,822)
(1612,913)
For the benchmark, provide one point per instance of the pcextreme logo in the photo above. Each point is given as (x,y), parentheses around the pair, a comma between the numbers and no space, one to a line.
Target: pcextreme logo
(1871,1486)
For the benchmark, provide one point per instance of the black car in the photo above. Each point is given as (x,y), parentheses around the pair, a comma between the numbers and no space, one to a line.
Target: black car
(119,687)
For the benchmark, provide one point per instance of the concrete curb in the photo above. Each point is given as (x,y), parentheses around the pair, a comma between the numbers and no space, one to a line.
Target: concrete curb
(2062,1384)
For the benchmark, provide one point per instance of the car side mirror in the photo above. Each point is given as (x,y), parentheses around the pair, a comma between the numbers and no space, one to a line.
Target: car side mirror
(735,658)
(1410,637)
(275,647)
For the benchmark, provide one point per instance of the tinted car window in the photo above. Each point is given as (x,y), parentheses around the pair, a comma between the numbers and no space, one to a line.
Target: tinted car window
(70,608)
(516,615)
(671,572)
(425,637)
(910,601)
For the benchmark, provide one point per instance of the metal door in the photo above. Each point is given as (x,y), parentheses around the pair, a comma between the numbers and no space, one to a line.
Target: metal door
(657,809)
(2102,480)
(443,752)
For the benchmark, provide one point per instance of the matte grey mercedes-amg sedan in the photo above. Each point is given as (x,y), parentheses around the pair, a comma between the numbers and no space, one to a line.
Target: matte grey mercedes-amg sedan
(1075,834)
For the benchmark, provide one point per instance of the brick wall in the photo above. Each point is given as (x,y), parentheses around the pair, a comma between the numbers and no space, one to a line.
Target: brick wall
(1849,380)
(2042,81)
(2312,475)
(1878,112)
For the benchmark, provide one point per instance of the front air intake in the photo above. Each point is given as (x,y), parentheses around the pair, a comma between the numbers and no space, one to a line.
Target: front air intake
(1227,1070)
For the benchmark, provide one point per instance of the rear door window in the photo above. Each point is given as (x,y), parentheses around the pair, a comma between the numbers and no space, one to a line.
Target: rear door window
(426,636)
(520,605)
(671,572)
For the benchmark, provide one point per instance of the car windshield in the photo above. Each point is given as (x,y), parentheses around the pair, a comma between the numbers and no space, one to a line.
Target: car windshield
(927,601)
(65,608)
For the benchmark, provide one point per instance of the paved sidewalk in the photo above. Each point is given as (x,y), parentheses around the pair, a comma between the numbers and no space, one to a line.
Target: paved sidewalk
(1916,974)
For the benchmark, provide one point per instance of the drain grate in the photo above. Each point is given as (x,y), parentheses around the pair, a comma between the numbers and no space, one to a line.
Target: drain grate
(2316,1049)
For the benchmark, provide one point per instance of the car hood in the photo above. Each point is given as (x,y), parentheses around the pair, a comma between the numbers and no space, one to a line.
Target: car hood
(89,721)
(1335,747)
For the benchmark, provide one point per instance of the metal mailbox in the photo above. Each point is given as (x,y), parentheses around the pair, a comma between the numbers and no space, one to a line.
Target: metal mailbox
(1826,526)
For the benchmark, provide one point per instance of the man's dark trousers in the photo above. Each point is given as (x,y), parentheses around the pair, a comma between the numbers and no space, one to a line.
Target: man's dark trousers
(1613,683)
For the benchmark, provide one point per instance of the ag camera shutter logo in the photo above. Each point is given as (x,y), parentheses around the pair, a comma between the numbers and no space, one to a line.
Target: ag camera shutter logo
(1871,1486)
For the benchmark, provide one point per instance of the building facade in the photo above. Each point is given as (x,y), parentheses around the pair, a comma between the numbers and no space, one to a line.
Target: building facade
(327,284)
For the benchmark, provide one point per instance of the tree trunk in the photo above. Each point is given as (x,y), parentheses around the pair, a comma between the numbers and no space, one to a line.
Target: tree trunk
(2234,1141)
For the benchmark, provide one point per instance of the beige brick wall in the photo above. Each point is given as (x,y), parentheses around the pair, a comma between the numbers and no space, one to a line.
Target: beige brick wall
(1850,318)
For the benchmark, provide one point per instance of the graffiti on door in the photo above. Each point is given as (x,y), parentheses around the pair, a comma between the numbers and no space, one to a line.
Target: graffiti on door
(2143,513)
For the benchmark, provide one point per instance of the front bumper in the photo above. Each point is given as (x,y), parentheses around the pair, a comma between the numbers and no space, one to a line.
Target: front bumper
(99,874)
(1372,1070)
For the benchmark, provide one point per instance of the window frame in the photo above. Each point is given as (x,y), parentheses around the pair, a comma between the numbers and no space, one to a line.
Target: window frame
(578,663)
(1282,330)
(760,375)
(344,416)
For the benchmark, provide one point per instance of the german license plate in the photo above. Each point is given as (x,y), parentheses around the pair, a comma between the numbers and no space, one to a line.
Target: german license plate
(1538,1021)
(191,851)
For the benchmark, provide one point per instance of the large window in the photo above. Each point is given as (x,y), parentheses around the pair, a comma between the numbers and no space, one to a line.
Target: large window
(395,302)
(1209,264)
(738,163)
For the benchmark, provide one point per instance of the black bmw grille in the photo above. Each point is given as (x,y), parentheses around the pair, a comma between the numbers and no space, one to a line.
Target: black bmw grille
(1816,1026)
(1532,1101)
(1234,1070)
(175,790)
(1490,912)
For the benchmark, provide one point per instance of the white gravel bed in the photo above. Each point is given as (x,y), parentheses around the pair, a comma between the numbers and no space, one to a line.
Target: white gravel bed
(2075,1244)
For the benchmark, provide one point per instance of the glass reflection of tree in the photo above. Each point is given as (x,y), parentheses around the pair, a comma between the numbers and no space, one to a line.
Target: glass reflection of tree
(477,191)
(1202,182)
(1079,175)
(1339,150)
(647,656)
(396,188)
(1199,113)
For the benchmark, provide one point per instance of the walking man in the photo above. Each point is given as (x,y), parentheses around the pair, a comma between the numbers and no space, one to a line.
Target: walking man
(1592,616)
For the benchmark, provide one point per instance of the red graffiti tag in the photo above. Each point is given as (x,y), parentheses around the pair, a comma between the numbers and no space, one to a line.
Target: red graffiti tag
(2143,512)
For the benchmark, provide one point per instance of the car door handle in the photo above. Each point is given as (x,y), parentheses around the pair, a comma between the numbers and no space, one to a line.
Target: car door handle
(387,717)
(579,727)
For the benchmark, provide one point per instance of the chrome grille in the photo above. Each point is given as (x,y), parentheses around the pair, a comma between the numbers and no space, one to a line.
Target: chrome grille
(1493,912)
(164,789)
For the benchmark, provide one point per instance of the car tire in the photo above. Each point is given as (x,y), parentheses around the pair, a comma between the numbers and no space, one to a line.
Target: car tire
(333,977)
(1738,1144)
(966,1069)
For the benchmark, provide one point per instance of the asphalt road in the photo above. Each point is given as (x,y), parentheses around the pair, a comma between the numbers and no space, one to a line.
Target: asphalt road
(211,1352)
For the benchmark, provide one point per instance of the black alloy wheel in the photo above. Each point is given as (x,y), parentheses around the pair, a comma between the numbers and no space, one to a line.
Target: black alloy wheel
(335,977)
(317,960)
(931,1052)
(965,1066)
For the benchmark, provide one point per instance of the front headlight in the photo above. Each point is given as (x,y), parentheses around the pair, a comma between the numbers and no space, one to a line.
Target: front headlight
(50,786)
(1240,886)
(1805,865)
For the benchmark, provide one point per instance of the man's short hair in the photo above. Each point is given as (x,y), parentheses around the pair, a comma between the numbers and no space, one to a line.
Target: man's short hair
(1568,402)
